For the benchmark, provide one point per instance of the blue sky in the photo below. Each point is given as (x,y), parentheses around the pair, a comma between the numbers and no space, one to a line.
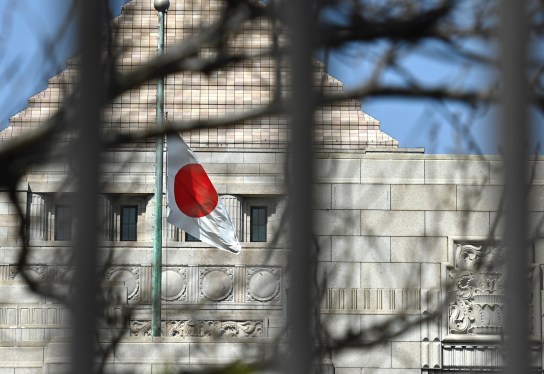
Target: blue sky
(418,122)
(26,26)
(35,39)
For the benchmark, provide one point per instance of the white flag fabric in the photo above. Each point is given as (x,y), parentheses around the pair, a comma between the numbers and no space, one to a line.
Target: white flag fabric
(193,202)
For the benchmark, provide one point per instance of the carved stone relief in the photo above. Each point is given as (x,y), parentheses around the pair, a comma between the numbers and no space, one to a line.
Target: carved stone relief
(174,284)
(216,284)
(263,284)
(38,272)
(194,328)
(128,274)
(35,272)
(477,295)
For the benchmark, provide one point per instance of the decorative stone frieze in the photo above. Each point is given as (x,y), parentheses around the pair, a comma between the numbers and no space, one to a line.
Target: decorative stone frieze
(477,295)
(194,328)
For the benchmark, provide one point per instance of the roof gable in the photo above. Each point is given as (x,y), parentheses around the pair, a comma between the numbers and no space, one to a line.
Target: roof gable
(190,96)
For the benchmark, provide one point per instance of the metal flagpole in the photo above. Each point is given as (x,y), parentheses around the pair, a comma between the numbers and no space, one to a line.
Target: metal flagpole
(161,6)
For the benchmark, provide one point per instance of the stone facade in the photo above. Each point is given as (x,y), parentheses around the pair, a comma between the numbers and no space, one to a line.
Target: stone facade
(391,247)
(401,235)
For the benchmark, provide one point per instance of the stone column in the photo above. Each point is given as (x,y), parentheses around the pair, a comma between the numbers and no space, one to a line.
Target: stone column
(38,217)
(105,214)
(233,204)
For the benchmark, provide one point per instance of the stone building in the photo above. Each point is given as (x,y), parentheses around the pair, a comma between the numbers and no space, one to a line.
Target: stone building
(398,230)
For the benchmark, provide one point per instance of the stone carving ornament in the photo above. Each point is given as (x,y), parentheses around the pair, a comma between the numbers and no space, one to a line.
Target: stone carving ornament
(140,328)
(216,284)
(174,284)
(35,272)
(194,328)
(477,295)
(263,284)
(128,274)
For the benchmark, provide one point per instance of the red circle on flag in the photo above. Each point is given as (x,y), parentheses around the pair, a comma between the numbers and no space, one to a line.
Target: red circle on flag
(194,192)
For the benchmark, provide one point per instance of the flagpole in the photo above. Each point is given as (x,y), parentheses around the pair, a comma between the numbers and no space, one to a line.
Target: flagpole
(162,7)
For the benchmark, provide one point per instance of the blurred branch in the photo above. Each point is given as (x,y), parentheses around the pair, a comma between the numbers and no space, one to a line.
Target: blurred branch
(360,27)
(397,24)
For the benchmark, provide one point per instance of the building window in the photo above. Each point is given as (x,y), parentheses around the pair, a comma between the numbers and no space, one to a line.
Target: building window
(258,218)
(129,222)
(190,238)
(129,217)
(63,222)
(261,218)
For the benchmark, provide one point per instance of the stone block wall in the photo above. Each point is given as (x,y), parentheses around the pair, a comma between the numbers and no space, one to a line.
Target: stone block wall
(392,230)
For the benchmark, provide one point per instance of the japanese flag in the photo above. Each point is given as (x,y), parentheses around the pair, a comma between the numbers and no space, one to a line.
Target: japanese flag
(193,202)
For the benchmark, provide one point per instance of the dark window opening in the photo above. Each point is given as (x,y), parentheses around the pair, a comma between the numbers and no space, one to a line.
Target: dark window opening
(190,238)
(129,221)
(258,220)
(63,222)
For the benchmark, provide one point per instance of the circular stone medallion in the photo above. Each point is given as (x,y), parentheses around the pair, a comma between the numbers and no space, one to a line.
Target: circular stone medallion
(131,283)
(173,285)
(216,285)
(263,285)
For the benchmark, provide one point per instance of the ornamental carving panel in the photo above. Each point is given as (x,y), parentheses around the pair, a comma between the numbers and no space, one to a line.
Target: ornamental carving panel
(128,274)
(263,284)
(477,292)
(216,284)
(35,272)
(194,328)
(174,284)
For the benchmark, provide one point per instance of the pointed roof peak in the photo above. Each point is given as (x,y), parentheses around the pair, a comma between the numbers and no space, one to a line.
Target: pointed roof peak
(197,96)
